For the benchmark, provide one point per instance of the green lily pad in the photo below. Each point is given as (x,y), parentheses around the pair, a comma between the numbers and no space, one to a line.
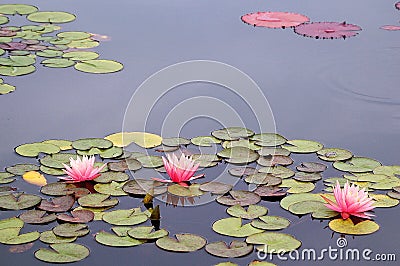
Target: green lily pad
(49,53)
(357,165)
(51,17)
(303,146)
(33,149)
(274,160)
(261,263)
(80,55)
(239,155)
(271,223)
(305,207)
(205,141)
(77,216)
(108,177)
(349,228)
(334,154)
(19,202)
(59,204)
(270,191)
(277,171)
(182,243)
(113,240)
(110,153)
(241,143)
(62,189)
(99,66)
(233,227)
(87,144)
(11,222)
(58,62)
(205,157)
(263,179)
(268,139)
(61,143)
(311,167)
(17,9)
(113,188)
(294,198)
(228,263)
(127,164)
(151,161)
(389,183)
(57,160)
(252,212)
(3,20)
(62,253)
(73,35)
(216,187)
(143,139)
(272,242)
(147,233)
(233,250)
(172,142)
(84,44)
(387,170)
(11,236)
(144,186)
(49,237)
(383,201)
(190,191)
(6,178)
(296,186)
(242,171)
(265,151)
(6,88)
(125,217)
(97,200)
(51,171)
(307,177)
(241,197)
(232,133)
(37,217)
(71,230)
(17,60)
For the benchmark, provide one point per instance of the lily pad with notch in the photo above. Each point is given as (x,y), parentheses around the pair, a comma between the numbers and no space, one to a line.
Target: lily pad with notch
(37,217)
(190,191)
(49,237)
(271,242)
(173,142)
(238,155)
(19,202)
(6,178)
(11,222)
(88,143)
(57,160)
(277,171)
(241,197)
(97,200)
(270,191)
(127,164)
(307,177)
(357,165)
(125,217)
(80,55)
(252,212)
(58,204)
(113,188)
(77,216)
(263,179)
(233,227)
(71,230)
(143,186)
(99,66)
(349,228)
(334,154)
(147,233)
(181,243)
(62,253)
(205,141)
(62,189)
(17,9)
(216,187)
(114,240)
(296,186)
(51,17)
(232,133)
(303,146)
(108,177)
(269,222)
(274,160)
(12,236)
(242,171)
(311,167)
(234,250)
(142,139)
(268,139)
(150,161)
(33,149)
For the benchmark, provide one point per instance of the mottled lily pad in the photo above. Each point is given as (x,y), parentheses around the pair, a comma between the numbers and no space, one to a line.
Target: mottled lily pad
(51,17)
(233,250)
(108,177)
(71,230)
(49,237)
(19,202)
(125,217)
(205,141)
(150,161)
(97,200)
(239,155)
(270,191)
(61,189)
(190,191)
(268,139)
(37,217)
(87,144)
(348,227)
(327,30)
(172,142)
(296,186)
(274,19)
(277,171)
(181,243)
(147,233)
(232,133)
(272,242)
(265,151)
(6,178)
(307,177)
(11,236)
(357,165)
(99,66)
(113,188)
(59,204)
(241,197)
(311,167)
(263,179)
(113,240)
(215,187)
(233,227)
(303,146)
(268,222)
(77,216)
(62,253)
(241,143)
(242,171)
(253,211)
(334,154)
(144,186)
(274,160)
(11,222)
(387,170)
(127,164)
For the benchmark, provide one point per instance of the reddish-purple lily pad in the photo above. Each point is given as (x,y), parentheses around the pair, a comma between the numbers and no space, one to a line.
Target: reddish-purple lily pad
(327,30)
(37,217)
(270,191)
(241,197)
(77,216)
(274,19)
(60,204)
(7,33)
(10,46)
(390,27)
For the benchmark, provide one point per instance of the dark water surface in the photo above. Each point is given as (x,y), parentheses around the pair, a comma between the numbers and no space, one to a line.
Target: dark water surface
(343,93)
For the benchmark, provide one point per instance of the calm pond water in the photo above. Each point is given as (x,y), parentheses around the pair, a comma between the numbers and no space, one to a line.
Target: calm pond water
(343,93)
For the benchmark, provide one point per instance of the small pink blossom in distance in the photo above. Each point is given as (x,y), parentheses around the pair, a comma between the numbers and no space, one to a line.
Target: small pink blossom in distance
(82,169)
(179,170)
(350,201)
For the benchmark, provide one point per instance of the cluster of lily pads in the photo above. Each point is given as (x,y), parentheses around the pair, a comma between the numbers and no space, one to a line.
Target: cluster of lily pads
(75,205)
(301,25)
(21,45)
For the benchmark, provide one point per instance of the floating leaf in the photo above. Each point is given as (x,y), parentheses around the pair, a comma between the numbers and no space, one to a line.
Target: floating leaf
(268,139)
(307,177)
(150,161)
(357,165)
(327,30)
(71,230)
(305,207)
(49,237)
(394,195)
(97,200)
(62,189)
(253,211)
(57,160)
(233,250)
(59,204)
(62,253)
(175,141)
(274,160)
(205,141)
(128,164)
(263,179)
(11,222)
(80,55)
(37,217)
(35,178)
(51,171)
(77,216)
(143,139)
(241,171)
(99,66)
(274,242)
(87,144)
(14,9)
(348,227)
(266,151)
(51,17)
(3,20)
(383,201)
(6,88)
(147,233)
(190,191)
(49,53)
(108,177)
(277,171)
(261,263)
(233,227)
(232,133)
(19,202)
(144,186)
(291,199)
(33,149)
(11,236)
(311,167)
(241,197)
(303,146)
(269,191)
(296,186)
(387,170)
(62,144)
(17,60)
(215,187)
(241,143)
(6,178)
(239,155)
(125,217)
(274,19)
(57,62)
(113,188)
(334,154)
(182,243)
(113,240)
(271,223)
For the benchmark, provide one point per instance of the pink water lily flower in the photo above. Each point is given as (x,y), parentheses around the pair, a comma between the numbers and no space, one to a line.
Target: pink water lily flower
(180,170)
(82,169)
(350,201)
